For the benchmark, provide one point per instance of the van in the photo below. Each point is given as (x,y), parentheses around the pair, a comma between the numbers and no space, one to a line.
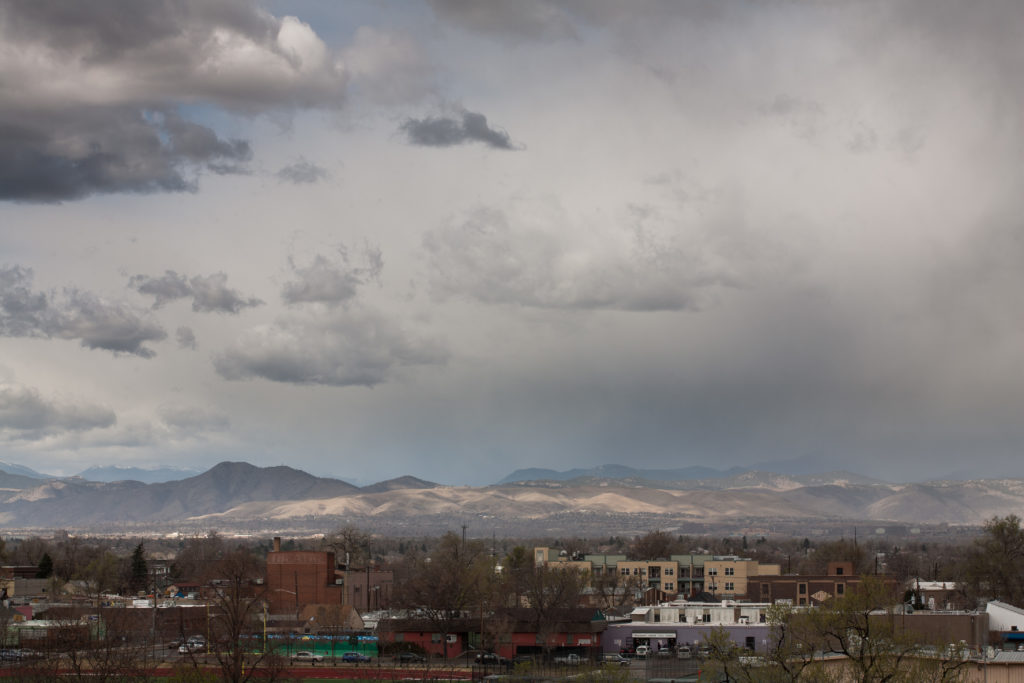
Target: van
(641,651)
(684,652)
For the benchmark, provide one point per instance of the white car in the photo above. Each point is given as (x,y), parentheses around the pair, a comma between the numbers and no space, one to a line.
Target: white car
(307,656)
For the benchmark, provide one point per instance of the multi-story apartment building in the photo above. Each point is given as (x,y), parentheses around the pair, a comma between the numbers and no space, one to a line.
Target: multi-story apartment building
(726,576)
(723,576)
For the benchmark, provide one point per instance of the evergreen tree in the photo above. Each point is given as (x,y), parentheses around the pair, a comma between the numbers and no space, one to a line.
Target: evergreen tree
(45,567)
(140,571)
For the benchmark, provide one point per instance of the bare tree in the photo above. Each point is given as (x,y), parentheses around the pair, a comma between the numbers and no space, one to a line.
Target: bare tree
(551,593)
(446,585)
(348,544)
(235,625)
(652,546)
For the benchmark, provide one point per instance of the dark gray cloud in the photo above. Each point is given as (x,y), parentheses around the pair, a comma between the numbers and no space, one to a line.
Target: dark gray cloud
(334,280)
(210,293)
(346,348)
(303,172)
(444,131)
(98,90)
(65,157)
(95,322)
(186,338)
(25,413)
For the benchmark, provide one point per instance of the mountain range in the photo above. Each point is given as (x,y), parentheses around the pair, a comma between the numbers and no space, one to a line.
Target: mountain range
(611,499)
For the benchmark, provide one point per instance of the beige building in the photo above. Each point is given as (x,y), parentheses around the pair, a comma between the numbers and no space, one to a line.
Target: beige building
(726,576)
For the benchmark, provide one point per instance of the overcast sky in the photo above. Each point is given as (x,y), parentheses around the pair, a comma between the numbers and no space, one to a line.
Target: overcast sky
(451,239)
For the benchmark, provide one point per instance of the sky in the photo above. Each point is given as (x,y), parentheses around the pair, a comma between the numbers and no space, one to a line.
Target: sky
(450,239)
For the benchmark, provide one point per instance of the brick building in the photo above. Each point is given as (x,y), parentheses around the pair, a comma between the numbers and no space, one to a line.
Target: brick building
(298,578)
(805,589)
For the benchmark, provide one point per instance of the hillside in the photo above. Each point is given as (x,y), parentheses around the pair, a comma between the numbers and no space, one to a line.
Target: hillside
(240,495)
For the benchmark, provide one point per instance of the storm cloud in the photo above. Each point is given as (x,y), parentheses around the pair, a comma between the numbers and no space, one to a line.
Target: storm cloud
(100,89)
(26,414)
(346,348)
(74,314)
(443,131)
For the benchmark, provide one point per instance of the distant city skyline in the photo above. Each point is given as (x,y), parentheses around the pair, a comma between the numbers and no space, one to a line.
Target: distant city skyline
(451,240)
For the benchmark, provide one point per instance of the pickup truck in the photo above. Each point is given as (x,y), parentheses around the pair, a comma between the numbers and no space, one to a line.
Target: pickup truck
(571,660)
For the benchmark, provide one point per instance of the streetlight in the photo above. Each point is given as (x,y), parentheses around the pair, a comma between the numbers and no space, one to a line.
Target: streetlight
(281,590)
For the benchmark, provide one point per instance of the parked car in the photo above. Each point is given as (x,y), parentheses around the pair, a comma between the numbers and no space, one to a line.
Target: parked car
(684,652)
(357,657)
(490,658)
(307,656)
(409,658)
(642,651)
(570,659)
(614,658)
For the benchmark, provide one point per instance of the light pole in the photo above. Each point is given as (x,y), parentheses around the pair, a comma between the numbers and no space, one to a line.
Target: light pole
(283,590)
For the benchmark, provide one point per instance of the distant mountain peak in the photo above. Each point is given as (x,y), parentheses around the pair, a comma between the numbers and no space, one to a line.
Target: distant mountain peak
(156,475)
(21,470)
(398,483)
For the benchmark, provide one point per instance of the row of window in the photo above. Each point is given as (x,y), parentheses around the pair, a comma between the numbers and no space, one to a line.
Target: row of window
(729,571)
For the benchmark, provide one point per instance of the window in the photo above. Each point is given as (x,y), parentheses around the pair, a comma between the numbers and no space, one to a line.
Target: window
(624,571)
(730,571)
(657,615)
(801,588)
(712,571)
(839,571)
(636,571)
(669,571)
(435,637)
(706,617)
(840,588)
(749,643)
(730,586)
(670,586)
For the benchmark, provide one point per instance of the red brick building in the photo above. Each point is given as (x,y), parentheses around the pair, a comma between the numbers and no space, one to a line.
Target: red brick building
(297,578)
(808,590)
